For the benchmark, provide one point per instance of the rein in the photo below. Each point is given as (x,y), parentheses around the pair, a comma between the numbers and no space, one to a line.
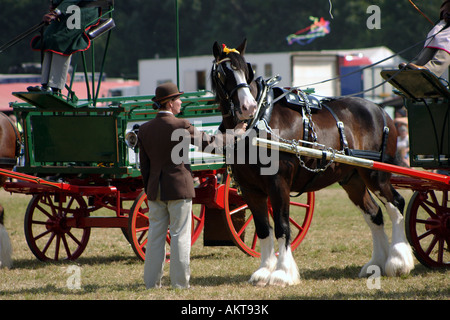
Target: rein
(421,12)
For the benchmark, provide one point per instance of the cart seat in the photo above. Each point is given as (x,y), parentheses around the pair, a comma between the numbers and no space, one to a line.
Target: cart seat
(46,100)
(416,84)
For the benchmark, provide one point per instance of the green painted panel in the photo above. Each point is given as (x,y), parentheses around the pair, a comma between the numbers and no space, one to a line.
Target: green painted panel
(429,133)
(74,139)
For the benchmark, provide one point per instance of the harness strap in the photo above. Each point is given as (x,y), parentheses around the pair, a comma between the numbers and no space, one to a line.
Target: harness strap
(10,162)
(366,154)
(385,137)
(306,126)
(265,101)
(239,86)
(340,126)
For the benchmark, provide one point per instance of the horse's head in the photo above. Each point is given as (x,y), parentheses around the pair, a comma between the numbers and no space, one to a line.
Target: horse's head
(231,77)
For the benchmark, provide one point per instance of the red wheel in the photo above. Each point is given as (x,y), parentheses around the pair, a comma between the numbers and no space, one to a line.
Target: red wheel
(198,221)
(138,224)
(242,229)
(48,226)
(428,228)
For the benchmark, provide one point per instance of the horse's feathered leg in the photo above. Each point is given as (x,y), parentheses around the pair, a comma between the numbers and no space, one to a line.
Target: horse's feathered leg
(359,195)
(400,259)
(286,272)
(268,262)
(259,209)
(396,259)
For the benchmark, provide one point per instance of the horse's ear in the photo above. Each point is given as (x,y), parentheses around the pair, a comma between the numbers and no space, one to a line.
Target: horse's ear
(242,47)
(217,50)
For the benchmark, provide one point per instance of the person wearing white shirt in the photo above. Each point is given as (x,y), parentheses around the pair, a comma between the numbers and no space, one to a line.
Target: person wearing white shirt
(435,55)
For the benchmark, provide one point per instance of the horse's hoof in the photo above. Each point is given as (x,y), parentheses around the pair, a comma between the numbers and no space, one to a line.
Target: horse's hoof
(400,261)
(258,283)
(280,278)
(260,277)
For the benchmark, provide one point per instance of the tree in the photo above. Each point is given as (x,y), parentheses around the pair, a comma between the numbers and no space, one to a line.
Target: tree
(146,28)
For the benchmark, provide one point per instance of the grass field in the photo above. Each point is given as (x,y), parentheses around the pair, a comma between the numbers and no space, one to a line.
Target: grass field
(337,245)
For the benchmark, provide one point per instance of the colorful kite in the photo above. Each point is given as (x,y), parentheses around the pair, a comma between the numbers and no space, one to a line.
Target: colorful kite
(319,28)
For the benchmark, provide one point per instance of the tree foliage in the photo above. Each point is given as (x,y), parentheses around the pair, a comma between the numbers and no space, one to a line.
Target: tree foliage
(147,29)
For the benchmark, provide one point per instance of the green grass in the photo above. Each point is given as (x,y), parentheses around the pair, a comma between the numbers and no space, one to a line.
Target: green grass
(337,245)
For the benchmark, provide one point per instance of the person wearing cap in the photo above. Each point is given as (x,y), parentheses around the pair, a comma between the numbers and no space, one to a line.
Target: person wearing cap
(435,55)
(60,40)
(169,186)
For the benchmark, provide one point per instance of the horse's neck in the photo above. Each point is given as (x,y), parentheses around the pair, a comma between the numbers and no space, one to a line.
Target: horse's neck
(288,127)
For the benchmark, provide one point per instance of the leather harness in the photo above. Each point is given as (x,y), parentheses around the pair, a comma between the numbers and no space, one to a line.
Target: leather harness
(295,102)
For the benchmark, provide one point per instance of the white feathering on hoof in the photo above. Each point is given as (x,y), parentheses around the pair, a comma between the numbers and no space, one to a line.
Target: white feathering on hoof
(286,273)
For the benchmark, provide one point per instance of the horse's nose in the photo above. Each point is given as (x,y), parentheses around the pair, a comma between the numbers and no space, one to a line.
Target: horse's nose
(248,104)
(249,107)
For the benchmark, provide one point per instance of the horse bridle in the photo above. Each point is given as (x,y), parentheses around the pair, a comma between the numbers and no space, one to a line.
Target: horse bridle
(219,78)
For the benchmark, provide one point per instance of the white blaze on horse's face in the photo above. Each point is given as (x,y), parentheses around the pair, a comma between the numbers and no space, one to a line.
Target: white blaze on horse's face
(246,100)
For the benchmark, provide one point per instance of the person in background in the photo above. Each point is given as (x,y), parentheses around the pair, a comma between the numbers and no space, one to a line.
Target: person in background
(435,55)
(60,40)
(403,146)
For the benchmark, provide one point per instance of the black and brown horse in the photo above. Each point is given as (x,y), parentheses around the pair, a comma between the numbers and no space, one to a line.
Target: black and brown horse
(364,126)
(9,142)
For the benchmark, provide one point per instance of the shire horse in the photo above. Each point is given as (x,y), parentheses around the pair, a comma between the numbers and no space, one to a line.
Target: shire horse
(9,149)
(363,126)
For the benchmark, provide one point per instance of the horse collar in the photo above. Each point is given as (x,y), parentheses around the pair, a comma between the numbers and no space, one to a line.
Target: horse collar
(264,100)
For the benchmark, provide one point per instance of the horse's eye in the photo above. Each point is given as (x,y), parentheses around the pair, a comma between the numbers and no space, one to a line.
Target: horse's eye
(234,67)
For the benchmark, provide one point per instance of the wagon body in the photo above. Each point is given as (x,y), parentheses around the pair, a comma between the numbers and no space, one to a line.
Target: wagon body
(82,140)
(87,150)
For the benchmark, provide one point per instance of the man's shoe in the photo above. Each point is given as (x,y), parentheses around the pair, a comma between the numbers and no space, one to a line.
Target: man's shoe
(39,89)
(402,65)
(56,91)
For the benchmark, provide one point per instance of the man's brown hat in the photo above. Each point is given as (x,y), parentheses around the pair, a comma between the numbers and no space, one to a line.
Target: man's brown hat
(166,91)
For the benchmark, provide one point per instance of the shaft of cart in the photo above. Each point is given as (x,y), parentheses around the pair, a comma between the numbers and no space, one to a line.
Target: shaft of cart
(57,185)
(341,158)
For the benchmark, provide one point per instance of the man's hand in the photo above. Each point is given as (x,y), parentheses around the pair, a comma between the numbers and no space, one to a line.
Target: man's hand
(240,128)
(49,17)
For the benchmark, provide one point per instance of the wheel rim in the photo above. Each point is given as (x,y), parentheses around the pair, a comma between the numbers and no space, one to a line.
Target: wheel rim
(428,228)
(139,224)
(239,220)
(49,230)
